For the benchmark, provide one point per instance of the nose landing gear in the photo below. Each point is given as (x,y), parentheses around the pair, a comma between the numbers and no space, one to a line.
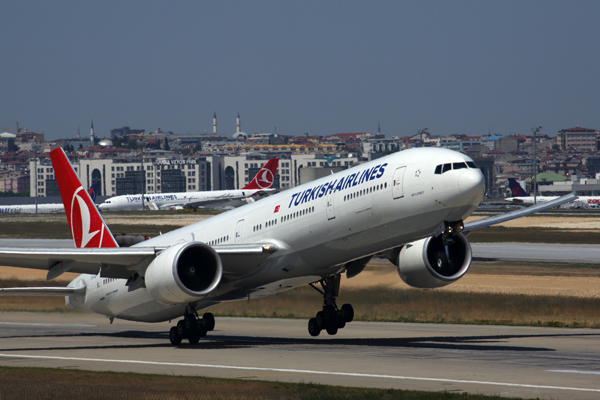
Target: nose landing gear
(191,327)
(331,318)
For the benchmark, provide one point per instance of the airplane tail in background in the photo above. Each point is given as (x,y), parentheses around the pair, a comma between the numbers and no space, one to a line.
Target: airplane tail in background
(264,178)
(87,225)
(515,188)
(93,192)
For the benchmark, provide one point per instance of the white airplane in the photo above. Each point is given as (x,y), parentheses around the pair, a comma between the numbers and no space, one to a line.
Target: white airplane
(42,208)
(520,197)
(261,183)
(402,206)
(31,208)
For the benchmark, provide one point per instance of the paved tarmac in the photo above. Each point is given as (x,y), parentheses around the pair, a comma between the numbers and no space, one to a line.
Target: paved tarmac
(549,363)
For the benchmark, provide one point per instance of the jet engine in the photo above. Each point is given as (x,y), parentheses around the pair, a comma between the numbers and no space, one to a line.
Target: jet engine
(184,273)
(430,263)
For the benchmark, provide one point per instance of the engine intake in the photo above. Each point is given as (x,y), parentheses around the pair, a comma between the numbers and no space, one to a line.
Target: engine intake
(425,264)
(184,273)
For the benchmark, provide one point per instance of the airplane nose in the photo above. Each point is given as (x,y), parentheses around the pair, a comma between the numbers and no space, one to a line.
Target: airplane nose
(471,184)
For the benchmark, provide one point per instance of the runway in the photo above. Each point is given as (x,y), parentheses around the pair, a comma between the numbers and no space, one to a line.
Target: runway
(549,363)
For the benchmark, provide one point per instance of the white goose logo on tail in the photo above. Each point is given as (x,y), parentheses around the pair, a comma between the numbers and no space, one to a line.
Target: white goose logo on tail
(86,222)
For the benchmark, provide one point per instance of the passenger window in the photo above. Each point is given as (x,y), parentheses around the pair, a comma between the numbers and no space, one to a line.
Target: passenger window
(471,164)
(459,165)
(447,167)
(438,169)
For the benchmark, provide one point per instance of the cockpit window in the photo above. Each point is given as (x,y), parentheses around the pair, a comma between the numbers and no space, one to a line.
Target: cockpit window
(459,165)
(447,167)
(471,164)
(438,169)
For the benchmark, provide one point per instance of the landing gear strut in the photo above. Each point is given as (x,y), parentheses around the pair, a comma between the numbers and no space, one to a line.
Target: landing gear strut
(191,327)
(331,318)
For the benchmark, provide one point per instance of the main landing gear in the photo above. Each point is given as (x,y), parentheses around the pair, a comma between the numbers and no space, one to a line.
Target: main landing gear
(191,327)
(331,318)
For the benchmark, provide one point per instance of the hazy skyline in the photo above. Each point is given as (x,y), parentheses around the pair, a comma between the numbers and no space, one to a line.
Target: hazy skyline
(318,67)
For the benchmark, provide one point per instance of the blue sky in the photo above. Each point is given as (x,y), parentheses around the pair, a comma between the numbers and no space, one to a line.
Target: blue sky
(320,67)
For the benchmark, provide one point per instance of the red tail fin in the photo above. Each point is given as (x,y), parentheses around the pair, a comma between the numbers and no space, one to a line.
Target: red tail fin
(87,225)
(264,178)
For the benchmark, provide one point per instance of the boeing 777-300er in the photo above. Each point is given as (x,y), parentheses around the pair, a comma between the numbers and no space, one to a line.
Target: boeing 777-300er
(262,182)
(408,206)
(520,196)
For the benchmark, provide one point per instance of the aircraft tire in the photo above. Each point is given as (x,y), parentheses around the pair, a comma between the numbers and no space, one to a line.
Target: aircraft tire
(181,329)
(332,330)
(347,312)
(209,321)
(190,324)
(174,336)
(330,314)
(194,338)
(313,327)
(320,320)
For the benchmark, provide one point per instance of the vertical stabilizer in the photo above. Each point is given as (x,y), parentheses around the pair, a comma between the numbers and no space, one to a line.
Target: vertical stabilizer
(88,228)
(515,188)
(264,178)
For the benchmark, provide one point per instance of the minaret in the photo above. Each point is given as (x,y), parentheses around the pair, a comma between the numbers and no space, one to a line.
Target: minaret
(215,123)
(92,133)
(78,136)
(378,128)
(238,124)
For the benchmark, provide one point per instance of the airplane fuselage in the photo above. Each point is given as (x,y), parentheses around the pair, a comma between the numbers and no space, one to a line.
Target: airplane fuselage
(166,200)
(318,228)
(31,209)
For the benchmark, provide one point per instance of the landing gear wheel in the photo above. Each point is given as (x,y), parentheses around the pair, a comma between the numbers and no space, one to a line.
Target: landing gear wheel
(181,329)
(209,321)
(332,330)
(347,313)
(190,324)
(194,338)
(313,327)
(174,336)
(320,320)
(329,313)
(331,318)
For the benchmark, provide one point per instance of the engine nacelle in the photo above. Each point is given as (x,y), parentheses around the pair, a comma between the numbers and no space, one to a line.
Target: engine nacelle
(183,273)
(425,264)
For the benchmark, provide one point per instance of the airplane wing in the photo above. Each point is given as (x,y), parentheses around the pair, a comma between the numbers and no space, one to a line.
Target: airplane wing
(482,223)
(43,291)
(122,262)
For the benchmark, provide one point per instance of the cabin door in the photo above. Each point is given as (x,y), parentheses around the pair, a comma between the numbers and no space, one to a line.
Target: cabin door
(397,184)
(238,231)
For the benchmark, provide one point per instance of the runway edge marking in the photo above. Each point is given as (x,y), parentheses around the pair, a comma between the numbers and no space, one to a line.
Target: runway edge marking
(304,371)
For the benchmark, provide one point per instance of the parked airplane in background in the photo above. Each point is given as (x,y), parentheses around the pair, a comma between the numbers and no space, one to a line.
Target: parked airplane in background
(262,182)
(41,208)
(520,196)
(408,206)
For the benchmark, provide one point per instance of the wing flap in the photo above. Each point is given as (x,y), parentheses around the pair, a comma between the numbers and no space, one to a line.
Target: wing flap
(482,223)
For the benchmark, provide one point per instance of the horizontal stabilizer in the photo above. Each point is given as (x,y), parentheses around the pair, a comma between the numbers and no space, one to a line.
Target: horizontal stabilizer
(43,291)
(497,219)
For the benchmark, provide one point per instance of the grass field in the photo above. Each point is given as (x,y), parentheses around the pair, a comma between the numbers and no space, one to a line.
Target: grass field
(51,384)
